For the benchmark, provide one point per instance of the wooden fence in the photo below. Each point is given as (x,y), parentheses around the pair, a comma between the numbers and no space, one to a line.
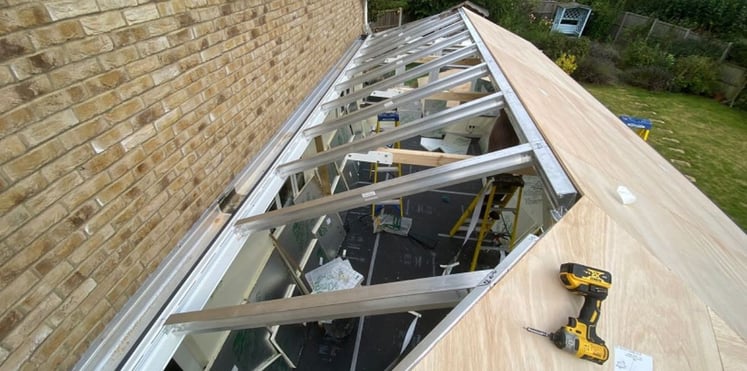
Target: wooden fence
(731,77)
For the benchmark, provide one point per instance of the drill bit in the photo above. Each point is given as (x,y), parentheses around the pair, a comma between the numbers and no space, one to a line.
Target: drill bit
(537,332)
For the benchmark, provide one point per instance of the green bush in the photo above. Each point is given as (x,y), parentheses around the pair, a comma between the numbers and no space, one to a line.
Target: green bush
(555,44)
(738,53)
(653,78)
(641,54)
(695,74)
(600,66)
(686,47)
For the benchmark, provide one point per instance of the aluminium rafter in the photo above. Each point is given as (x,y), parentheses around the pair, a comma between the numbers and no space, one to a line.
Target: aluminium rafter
(423,30)
(387,35)
(387,105)
(436,48)
(151,347)
(395,297)
(503,161)
(558,186)
(414,45)
(461,309)
(425,68)
(399,58)
(491,103)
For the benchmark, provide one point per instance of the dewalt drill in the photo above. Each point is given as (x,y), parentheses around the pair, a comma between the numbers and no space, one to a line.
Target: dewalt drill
(579,336)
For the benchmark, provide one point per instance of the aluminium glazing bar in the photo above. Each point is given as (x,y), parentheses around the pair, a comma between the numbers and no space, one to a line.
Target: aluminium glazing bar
(387,105)
(442,33)
(426,124)
(389,67)
(434,65)
(386,35)
(398,59)
(152,348)
(503,161)
(461,309)
(419,294)
(559,187)
(372,49)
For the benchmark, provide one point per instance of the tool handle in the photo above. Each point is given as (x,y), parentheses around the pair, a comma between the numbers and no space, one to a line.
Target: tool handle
(589,316)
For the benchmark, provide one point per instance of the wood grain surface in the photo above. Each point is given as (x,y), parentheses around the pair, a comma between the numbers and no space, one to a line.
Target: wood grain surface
(639,314)
(674,256)
(672,218)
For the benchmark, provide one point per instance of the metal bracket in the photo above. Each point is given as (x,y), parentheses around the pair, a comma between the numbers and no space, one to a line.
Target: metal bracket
(384,158)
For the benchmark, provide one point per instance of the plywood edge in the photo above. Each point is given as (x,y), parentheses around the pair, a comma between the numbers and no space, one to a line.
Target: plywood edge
(596,151)
(732,348)
(491,335)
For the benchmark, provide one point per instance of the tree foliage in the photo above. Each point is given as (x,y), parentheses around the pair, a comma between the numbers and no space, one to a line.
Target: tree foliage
(726,18)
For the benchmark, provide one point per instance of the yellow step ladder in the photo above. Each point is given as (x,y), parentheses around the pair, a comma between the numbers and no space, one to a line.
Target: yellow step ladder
(393,169)
(504,187)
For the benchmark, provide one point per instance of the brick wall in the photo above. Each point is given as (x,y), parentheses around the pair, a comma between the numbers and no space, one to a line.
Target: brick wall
(120,123)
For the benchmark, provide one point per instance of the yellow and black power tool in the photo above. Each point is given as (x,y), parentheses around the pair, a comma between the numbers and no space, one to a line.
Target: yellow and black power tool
(579,336)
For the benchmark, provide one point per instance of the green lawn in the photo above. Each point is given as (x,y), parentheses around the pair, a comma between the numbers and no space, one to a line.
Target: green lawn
(706,140)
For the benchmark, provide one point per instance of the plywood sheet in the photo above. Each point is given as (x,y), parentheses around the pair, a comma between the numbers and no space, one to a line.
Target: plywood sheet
(638,314)
(672,219)
(732,348)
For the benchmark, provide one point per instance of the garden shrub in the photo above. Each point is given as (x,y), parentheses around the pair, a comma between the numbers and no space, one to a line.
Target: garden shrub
(695,74)
(653,78)
(567,63)
(555,44)
(641,54)
(704,47)
(599,66)
(738,53)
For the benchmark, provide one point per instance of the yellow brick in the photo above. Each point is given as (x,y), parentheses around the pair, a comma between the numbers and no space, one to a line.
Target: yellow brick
(129,35)
(31,321)
(135,87)
(11,147)
(61,9)
(45,286)
(129,161)
(152,46)
(71,73)
(95,106)
(124,110)
(141,14)
(115,189)
(50,127)
(12,19)
(56,33)
(72,302)
(33,160)
(86,190)
(29,344)
(101,161)
(113,136)
(116,4)
(12,294)
(118,57)
(88,47)
(54,192)
(86,249)
(102,22)
(14,45)
(38,63)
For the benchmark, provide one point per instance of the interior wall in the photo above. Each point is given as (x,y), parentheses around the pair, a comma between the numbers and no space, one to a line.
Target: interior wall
(120,122)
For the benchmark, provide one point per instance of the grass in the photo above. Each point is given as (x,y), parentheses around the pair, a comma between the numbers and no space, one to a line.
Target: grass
(706,140)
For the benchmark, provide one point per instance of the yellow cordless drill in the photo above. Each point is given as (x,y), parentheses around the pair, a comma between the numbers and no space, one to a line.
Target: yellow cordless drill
(579,336)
